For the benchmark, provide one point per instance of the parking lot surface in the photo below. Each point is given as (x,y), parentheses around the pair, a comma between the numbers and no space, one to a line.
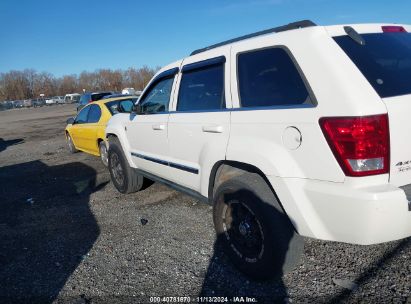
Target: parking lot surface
(67,236)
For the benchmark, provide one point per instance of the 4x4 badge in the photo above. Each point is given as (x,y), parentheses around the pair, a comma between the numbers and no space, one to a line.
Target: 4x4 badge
(404,166)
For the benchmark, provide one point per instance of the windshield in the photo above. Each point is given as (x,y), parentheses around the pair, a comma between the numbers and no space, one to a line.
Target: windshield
(385,60)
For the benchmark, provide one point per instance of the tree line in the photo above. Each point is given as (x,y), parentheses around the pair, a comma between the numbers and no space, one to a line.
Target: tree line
(28,84)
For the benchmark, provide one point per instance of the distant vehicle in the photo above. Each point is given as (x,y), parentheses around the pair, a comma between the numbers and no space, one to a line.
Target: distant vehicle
(131,91)
(59,99)
(72,98)
(50,101)
(38,102)
(17,104)
(27,103)
(119,95)
(6,105)
(90,97)
(85,132)
(3,105)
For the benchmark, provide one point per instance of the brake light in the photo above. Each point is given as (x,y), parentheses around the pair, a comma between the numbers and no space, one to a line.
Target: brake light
(361,144)
(90,101)
(393,29)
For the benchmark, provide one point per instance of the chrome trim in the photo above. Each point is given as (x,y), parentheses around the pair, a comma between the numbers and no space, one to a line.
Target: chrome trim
(284,107)
(166,163)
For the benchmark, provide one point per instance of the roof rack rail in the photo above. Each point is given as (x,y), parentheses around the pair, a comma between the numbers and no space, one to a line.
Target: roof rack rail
(283,28)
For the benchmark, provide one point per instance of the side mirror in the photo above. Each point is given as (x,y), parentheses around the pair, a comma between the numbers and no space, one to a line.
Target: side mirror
(70,121)
(137,108)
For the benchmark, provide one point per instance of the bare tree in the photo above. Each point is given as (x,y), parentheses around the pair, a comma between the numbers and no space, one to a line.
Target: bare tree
(68,84)
(26,84)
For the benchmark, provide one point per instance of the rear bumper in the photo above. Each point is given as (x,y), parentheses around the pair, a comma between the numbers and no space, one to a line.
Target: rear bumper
(345,213)
(407,191)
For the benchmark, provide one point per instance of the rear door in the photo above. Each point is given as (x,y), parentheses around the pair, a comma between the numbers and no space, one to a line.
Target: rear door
(385,60)
(199,126)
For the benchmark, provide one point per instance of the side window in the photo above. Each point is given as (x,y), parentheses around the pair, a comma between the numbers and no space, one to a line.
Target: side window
(94,114)
(82,116)
(269,77)
(157,97)
(202,89)
(127,105)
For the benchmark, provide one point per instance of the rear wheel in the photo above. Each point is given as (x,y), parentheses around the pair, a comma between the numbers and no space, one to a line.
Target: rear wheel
(125,179)
(253,229)
(102,146)
(70,144)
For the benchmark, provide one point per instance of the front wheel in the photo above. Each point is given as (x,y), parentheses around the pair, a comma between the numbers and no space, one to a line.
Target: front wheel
(70,144)
(125,179)
(253,229)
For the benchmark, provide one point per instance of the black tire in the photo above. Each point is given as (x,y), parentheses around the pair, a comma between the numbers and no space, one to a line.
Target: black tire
(70,144)
(125,179)
(102,147)
(253,229)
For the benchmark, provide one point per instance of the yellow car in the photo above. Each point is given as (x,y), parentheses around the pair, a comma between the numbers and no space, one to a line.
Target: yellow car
(85,132)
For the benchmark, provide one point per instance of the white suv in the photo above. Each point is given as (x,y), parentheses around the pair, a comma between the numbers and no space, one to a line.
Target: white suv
(295,131)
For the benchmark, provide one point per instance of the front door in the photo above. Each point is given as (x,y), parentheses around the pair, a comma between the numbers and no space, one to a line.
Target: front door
(77,130)
(147,130)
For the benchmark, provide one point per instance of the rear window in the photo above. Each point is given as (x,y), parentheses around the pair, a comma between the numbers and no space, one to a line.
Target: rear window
(99,96)
(269,78)
(385,60)
(94,114)
(202,90)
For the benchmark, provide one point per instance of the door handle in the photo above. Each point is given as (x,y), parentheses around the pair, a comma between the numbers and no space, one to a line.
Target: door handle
(213,129)
(158,127)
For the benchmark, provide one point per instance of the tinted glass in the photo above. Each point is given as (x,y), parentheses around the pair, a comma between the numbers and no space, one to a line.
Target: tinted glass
(127,105)
(268,78)
(385,60)
(94,114)
(202,89)
(98,96)
(84,99)
(82,116)
(157,97)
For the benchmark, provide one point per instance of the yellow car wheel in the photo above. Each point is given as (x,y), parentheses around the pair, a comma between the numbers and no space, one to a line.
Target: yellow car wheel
(103,153)
(70,144)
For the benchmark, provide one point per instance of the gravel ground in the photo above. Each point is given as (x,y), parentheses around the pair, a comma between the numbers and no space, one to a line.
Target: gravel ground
(67,236)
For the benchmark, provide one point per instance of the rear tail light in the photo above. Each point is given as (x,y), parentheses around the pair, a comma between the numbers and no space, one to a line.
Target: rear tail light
(361,145)
(393,29)
(90,101)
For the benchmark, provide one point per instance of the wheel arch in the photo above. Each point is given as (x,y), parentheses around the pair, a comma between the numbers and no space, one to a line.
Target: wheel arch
(224,170)
(123,142)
